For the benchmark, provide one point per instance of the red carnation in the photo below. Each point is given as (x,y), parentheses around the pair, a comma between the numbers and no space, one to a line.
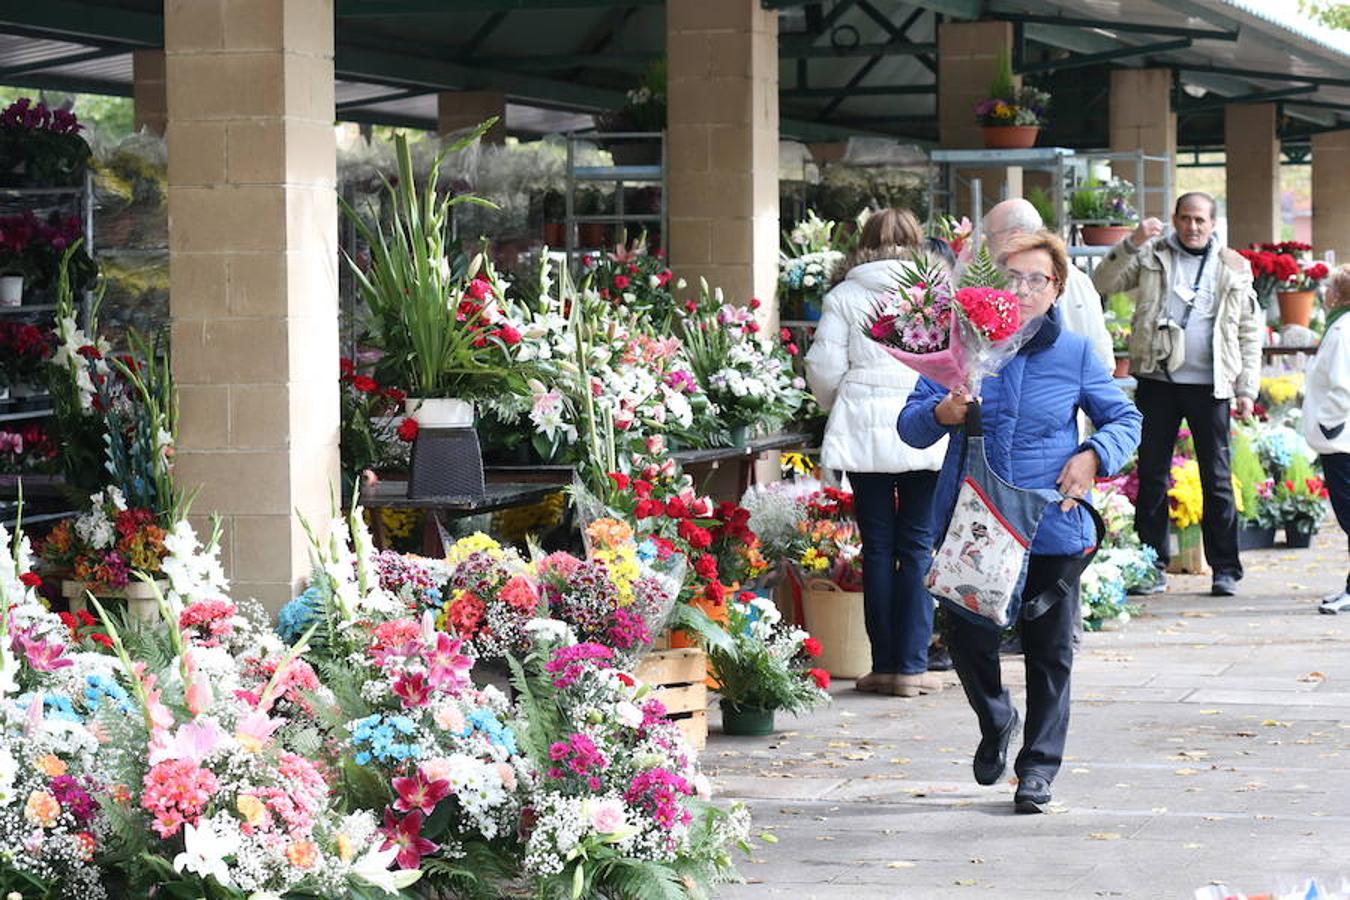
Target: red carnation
(696,537)
(754,303)
(30,579)
(643,489)
(706,567)
(621,282)
(715,594)
(394,395)
(407,430)
(676,509)
(821,677)
(365,384)
(509,335)
(812,647)
(620,480)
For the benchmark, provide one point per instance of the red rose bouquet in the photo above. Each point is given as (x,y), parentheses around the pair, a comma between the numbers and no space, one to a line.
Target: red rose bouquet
(953,336)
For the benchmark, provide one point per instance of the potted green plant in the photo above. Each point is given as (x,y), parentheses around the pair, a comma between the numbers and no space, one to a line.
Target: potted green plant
(1258,511)
(643,111)
(1103,211)
(1302,499)
(763,666)
(1011,116)
(14,267)
(439,323)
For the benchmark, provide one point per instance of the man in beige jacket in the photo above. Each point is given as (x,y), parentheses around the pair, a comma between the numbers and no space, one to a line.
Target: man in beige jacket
(1196,350)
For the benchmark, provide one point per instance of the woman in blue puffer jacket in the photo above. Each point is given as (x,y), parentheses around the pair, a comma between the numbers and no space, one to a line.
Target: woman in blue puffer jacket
(1029,412)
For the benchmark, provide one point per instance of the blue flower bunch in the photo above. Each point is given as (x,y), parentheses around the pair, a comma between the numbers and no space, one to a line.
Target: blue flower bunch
(1140,570)
(383,738)
(299,614)
(54,706)
(1277,447)
(97,689)
(486,722)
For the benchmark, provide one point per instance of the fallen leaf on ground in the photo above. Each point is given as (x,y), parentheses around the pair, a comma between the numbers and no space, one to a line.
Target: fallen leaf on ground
(1312,677)
(1186,772)
(900,864)
(768,838)
(1104,836)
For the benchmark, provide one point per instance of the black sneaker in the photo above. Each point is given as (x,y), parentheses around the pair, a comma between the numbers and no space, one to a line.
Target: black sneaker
(1224,585)
(939,660)
(991,756)
(1033,794)
(1335,604)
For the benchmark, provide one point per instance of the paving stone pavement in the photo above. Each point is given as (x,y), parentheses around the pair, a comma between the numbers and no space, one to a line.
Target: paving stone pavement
(1210,741)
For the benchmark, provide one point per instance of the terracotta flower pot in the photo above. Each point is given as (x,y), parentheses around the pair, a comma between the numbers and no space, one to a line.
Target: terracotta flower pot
(1296,307)
(1010,137)
(1105,235)
(1122,367)
(554,234)
(592,235)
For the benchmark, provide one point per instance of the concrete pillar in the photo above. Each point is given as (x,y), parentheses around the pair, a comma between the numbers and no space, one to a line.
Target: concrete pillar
(149,97)
(253,275)
(1142,118)
(1252,172)
(1331,204)
(722,128)
(460,110)
(968,55)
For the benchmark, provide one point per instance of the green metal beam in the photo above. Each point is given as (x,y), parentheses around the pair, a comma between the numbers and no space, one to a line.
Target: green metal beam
(89,22)
(958,9)
(1205,34)
(70,84)
(885,90)
(797,49)
(1257,97)
(1092,59)
(67,60)
(1265,75)
(361,9)
(348,105)
(1321,104)
(403,70)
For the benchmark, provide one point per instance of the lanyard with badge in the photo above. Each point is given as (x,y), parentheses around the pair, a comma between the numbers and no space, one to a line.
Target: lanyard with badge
(1188,294)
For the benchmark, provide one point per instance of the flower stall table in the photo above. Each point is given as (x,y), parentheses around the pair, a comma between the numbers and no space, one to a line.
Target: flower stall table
(391,494)
(745,456)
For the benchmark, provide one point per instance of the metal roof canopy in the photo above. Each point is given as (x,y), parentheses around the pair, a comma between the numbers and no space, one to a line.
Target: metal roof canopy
(848,66)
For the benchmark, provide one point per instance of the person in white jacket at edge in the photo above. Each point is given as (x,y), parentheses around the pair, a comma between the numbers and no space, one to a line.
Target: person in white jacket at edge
(1326,411)
(1080,307)
(864,388)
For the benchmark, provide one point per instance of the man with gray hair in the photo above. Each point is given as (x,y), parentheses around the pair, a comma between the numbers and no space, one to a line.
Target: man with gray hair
(1080,306)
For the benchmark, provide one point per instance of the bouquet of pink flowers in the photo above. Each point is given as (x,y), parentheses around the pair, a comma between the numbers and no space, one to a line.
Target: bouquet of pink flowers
(954,335)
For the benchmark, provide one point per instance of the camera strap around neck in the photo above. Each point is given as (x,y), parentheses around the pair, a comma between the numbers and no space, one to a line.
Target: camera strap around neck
(1195,287)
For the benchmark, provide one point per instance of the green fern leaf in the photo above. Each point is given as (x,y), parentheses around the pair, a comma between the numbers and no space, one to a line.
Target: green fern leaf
(982,271)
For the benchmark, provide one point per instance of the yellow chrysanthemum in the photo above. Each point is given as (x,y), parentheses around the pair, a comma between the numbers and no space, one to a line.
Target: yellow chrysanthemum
(792,462)
(516,523)
(1282,389)
(399,523)
(623,568)
(813,561)
(1186,496)
(474,543)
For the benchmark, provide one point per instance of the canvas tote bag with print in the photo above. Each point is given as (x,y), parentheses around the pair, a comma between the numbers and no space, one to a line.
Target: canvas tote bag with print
(980,566)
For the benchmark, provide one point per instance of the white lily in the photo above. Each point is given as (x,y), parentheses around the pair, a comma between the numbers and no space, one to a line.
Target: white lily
(205,850)
(373,869)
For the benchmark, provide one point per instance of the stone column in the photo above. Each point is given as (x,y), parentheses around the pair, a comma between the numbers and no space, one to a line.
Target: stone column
(149,97)
(253,275)
(968,55)
(1142,118)
(722,129)
(460,110)
(1331,203)
(1252,172)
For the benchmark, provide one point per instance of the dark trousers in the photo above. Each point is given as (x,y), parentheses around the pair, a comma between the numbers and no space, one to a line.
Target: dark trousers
(1047,647)
(895,521)
(1336,469)
(1164,405)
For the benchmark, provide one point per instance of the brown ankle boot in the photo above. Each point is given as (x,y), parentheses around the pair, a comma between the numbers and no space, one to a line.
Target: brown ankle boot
(874,683)
(914,685)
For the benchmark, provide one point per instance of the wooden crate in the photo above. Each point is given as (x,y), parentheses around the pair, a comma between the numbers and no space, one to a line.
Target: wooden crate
(676,677)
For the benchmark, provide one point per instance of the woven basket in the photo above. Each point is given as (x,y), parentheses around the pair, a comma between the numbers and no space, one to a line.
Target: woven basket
(834,617)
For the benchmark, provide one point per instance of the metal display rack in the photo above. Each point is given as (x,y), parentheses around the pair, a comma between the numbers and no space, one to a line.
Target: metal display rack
(1069,171)
(621,177)
(42,201)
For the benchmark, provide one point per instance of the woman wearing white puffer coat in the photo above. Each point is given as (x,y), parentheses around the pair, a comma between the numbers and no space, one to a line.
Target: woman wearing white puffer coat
(864,388)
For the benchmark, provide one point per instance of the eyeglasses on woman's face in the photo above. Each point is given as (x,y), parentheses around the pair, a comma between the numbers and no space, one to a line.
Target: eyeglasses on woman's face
(1032,282)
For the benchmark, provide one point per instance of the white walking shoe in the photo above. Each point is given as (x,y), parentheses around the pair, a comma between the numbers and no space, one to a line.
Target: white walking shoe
(1335,603)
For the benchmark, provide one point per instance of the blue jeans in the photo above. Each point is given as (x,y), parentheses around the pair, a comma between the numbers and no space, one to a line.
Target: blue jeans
(1336,468)
(895,521)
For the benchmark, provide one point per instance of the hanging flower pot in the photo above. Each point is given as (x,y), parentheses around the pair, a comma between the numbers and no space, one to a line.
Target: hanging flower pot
(1105,235)
(1296,307)
(746,721)
(1010,137)
(11,290)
